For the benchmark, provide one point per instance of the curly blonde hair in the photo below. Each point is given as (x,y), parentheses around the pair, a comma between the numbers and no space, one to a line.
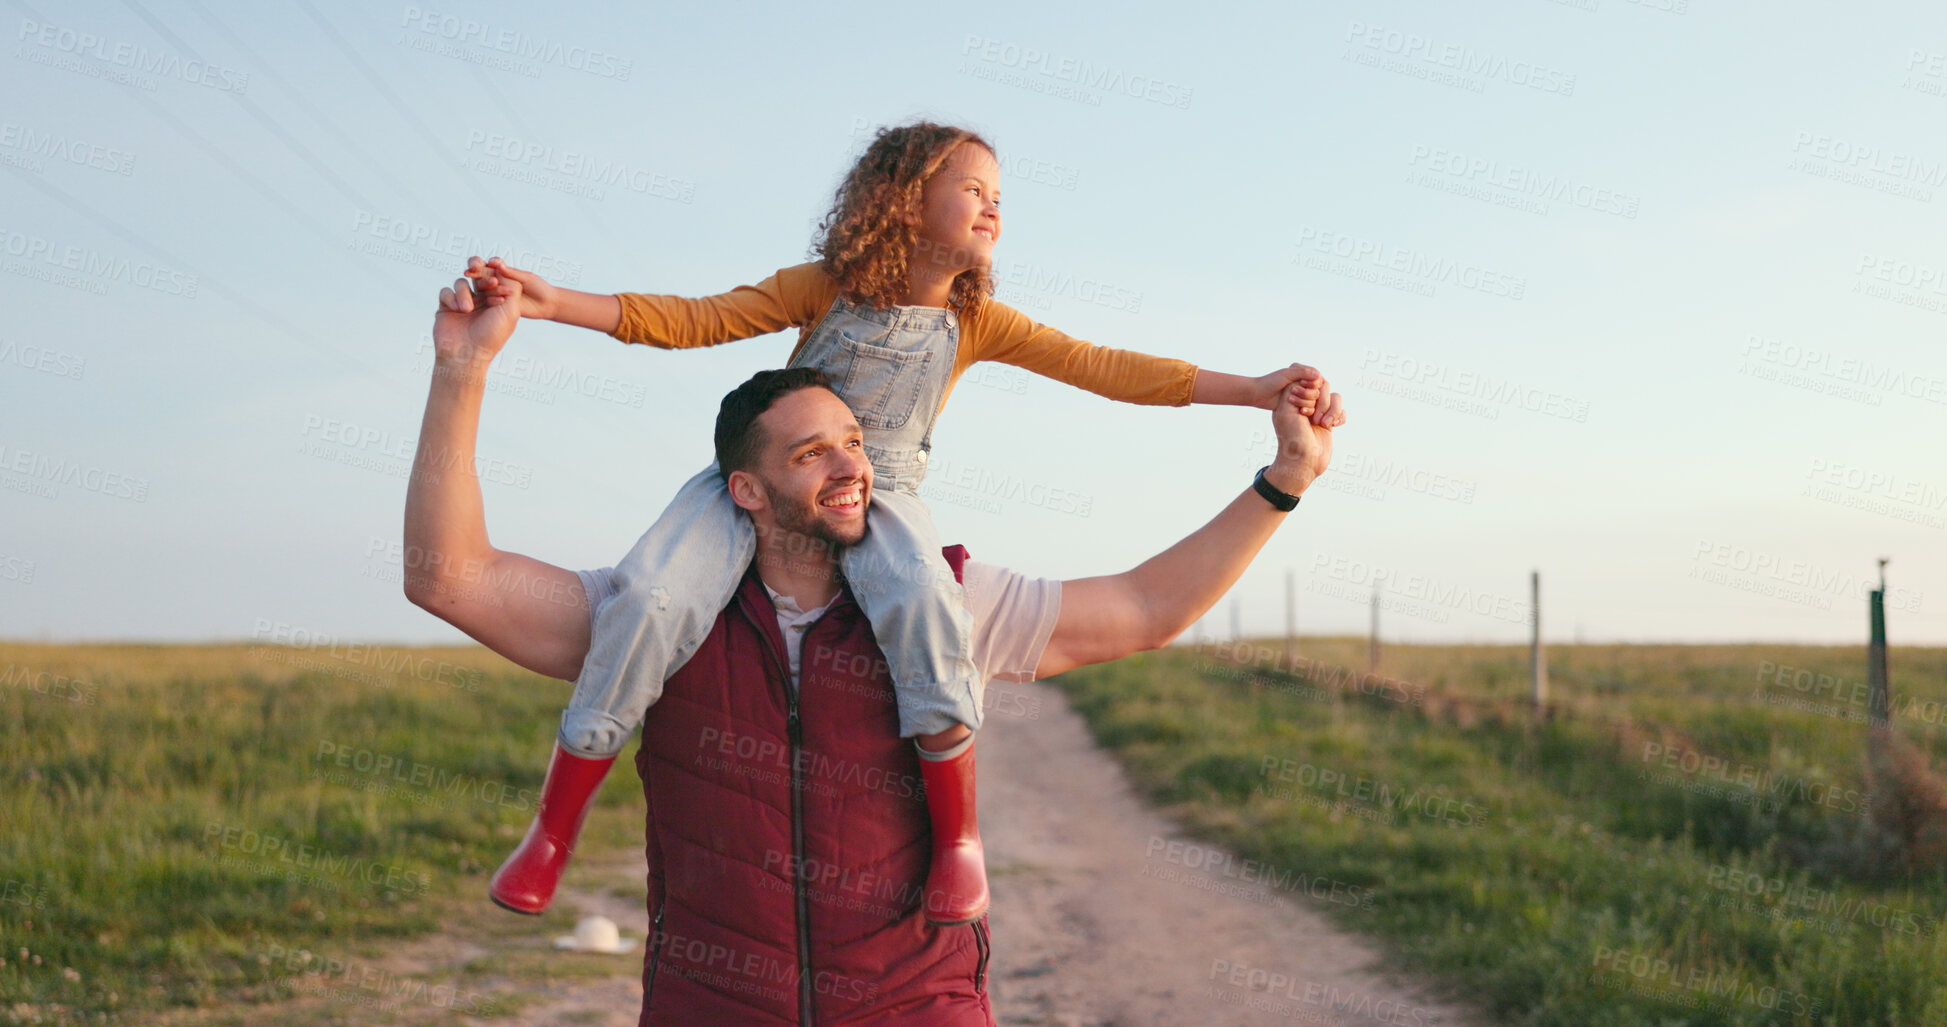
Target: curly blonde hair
(866,242)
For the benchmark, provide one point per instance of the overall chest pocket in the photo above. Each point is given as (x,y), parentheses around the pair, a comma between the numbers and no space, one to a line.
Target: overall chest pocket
(880,384)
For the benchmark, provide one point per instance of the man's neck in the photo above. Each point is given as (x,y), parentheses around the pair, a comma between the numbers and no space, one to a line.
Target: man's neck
(810,577)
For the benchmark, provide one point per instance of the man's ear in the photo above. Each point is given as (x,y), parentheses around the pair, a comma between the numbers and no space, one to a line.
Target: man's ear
(746,492)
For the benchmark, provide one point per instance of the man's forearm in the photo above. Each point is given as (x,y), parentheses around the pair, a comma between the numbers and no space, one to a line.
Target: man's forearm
(446,520)
(597,310)
(1183,582)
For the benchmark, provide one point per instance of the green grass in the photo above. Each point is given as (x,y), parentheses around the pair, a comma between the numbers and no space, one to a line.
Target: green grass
(1536,860)
(174,819)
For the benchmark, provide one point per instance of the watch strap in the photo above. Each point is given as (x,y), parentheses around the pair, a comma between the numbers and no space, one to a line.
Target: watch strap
(1272,494)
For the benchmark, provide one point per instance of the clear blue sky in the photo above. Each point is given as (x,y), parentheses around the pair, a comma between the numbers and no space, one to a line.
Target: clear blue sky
(1647,295)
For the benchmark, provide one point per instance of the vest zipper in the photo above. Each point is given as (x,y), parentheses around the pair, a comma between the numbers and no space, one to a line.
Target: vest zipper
(797,843)
(655,953)
(798,884)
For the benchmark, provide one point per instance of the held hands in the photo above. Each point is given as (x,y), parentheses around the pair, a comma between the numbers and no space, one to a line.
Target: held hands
(1304,440)
(1269,390)
(538,298)
(471,325)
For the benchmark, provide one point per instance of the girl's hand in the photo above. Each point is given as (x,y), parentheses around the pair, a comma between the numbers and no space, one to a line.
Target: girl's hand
(1305,384)
(538,298)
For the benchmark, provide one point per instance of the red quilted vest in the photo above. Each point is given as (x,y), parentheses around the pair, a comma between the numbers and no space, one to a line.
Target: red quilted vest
(788,840)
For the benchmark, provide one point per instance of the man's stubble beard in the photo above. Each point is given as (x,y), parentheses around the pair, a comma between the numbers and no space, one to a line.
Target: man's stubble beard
(799,518)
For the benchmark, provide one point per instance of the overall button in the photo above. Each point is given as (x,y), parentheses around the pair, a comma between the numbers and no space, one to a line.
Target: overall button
(921,457)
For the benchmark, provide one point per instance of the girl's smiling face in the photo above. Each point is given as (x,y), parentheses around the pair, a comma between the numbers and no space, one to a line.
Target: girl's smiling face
(960,212)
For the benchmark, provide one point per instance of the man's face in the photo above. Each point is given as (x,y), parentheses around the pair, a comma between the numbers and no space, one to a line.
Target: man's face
(813,469)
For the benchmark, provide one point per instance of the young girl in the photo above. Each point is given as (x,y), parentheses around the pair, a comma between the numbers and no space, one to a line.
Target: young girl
(898,305)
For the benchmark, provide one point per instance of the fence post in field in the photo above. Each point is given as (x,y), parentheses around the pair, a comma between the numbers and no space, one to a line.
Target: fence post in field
(1877,700)
(1372,641)
(1290,618)
(1537,658)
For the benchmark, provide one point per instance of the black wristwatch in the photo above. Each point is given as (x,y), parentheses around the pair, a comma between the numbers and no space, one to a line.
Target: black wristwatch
(1272,494)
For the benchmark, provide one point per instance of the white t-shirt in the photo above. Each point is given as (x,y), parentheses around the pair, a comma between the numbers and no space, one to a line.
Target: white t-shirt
(1013,617)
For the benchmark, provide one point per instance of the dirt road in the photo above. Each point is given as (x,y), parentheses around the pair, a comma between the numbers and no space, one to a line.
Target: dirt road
(1104,915)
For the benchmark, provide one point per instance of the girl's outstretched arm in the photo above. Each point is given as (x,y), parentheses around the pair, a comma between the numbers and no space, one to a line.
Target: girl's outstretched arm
(547,301)
(1011,337)
(793,297)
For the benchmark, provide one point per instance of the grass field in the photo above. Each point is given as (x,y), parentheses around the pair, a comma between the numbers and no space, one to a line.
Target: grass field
(214,826)
(1693,837)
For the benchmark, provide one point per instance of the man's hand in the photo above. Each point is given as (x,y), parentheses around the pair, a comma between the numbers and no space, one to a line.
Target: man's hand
(1304,443)
(1269,390)
(539,298)
(471,328)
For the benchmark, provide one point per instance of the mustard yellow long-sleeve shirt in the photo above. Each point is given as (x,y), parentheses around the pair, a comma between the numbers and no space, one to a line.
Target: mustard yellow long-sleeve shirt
(801,295)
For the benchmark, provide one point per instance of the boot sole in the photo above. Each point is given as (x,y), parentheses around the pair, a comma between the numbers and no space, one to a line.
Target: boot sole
(514,909)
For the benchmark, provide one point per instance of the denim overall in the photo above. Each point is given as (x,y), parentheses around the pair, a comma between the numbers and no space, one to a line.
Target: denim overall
(891,366)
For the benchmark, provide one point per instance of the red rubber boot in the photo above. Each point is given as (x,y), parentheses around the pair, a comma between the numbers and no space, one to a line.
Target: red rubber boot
(526,882)
(956,882)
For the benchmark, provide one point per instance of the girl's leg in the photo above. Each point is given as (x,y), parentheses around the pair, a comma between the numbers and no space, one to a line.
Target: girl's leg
(669,590)
(919,615)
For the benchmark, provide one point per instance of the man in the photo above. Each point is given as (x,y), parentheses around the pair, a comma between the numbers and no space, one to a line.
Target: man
(786,829)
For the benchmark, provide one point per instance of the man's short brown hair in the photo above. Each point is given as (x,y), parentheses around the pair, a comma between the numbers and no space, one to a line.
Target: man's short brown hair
(738,438)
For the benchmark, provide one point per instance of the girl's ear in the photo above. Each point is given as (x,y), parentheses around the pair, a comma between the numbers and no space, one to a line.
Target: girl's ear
(746,492)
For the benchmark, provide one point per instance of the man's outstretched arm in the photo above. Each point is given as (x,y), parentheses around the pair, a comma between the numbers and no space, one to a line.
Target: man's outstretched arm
(1110,617)
(533,613)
